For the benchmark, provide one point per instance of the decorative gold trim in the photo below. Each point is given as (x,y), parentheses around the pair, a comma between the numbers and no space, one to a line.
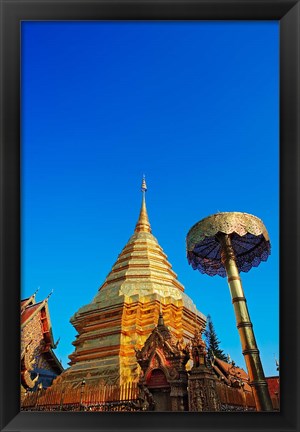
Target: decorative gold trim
(226,223)
(232,278)
(237,299)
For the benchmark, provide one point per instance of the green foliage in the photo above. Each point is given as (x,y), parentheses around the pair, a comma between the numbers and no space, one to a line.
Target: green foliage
(212,341)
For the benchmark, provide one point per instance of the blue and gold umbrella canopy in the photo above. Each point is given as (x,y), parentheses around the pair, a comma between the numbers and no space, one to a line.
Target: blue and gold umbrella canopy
(249,239)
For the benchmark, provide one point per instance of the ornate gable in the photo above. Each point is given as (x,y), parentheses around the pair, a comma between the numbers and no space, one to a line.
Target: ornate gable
(162,351)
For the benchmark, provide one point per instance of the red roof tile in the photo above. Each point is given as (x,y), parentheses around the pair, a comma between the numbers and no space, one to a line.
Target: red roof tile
(228,366)
(233,371)
(29,311)
(273,385)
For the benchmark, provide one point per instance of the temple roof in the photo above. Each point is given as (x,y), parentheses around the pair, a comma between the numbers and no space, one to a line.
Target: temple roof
(31,339)
(30,311)
(230,372)
(29,308)
(28,301)
(273,385)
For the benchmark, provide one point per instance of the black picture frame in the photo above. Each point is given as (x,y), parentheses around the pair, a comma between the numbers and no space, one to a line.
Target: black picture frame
(12,13)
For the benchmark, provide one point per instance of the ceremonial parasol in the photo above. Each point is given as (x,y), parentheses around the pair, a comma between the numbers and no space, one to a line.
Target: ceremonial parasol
(225,244)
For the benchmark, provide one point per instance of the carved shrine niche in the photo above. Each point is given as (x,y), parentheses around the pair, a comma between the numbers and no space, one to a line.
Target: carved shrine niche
(157,379)
(162,360)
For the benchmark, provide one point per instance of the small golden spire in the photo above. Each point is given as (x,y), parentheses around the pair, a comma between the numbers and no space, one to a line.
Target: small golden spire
(160,320)
(143,224)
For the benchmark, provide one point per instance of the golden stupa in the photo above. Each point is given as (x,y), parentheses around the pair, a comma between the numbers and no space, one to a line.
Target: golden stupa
(117,322)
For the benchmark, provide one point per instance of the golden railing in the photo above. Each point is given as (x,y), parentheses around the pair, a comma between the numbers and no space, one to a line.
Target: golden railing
(88,397)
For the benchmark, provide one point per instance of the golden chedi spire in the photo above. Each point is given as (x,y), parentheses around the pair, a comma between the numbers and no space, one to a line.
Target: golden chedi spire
(140,286)
(143,224)
(142,261)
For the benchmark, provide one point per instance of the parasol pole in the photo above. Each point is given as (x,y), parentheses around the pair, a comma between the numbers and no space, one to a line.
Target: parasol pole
(250,351)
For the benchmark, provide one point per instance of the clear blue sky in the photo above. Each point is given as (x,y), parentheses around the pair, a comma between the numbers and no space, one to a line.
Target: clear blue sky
(194,106)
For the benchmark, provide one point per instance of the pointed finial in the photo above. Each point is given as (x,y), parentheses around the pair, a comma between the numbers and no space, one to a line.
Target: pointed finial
(144,186)
(49,295)
(56,343)
(36,291)
(143,221)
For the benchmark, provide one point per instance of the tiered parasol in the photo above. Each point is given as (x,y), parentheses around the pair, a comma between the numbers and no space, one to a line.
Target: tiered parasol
(225,244)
